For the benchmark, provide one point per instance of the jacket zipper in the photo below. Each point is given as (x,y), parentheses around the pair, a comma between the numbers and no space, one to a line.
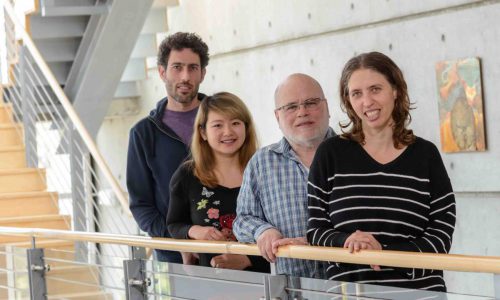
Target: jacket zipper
(166,133)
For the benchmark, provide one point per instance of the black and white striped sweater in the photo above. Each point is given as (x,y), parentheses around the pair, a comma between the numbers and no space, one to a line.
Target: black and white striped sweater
(407,204)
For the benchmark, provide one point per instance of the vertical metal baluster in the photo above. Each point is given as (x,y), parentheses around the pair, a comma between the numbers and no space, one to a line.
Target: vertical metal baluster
(36,273)
(496,285)
(28,113)
(136,283)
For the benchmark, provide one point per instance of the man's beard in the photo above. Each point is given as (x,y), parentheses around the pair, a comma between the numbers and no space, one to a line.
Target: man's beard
(186,98)
(311,141)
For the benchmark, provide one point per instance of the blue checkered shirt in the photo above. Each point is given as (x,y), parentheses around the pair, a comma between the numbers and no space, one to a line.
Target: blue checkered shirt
(274,195)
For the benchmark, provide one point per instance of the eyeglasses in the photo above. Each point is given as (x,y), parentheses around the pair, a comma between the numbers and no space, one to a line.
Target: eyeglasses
(309,104)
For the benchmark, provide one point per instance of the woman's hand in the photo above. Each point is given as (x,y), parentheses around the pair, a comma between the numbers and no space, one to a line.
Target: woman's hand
(189,258)
(228,233)
(210,233)
(360,240)
(231,261)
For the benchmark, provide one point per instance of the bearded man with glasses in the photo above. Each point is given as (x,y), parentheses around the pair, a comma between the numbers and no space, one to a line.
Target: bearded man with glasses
(272,203)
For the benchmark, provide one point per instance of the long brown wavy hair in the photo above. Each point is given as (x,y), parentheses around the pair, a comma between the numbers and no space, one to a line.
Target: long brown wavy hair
(382,64)
(202,161)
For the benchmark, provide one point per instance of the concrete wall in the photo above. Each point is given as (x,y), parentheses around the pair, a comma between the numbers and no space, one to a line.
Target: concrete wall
(254,44)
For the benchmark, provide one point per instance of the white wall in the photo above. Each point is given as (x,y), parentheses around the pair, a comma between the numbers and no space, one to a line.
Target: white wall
(254,44)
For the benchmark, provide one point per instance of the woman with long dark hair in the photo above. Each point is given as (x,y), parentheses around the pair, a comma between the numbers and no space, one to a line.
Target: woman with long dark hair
(378,186)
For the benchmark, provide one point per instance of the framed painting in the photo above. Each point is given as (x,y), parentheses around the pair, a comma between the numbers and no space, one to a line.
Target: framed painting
(461,115)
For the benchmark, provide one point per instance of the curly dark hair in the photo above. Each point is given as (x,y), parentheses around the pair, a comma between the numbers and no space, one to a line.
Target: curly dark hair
(382,64)
(179,41)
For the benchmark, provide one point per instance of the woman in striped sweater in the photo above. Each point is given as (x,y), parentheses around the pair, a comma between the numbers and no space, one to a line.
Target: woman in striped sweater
(378,186)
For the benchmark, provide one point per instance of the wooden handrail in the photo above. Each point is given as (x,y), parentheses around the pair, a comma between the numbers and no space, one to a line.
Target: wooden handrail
(451,262)
(68,107)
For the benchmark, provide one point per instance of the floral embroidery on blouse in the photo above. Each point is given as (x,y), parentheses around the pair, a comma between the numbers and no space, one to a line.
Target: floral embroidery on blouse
(224,223)
(226,226)
(201,204)
(206,192)
(213,213)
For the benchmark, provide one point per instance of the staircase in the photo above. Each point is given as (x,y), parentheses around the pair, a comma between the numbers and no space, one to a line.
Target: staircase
(100,73)
(62,31)
(23,196)
(26,203)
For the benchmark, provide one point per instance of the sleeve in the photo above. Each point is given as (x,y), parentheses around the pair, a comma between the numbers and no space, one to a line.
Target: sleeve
(140,186)
(250,221)
(437,236)
(179,209)
(320,230)
(259,264)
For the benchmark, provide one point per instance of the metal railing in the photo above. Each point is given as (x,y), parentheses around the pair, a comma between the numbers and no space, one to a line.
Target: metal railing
(138,278)
(57,141)
(55,138)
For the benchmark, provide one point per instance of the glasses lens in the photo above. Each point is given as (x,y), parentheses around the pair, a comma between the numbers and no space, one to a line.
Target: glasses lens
(312,103)
(290,107)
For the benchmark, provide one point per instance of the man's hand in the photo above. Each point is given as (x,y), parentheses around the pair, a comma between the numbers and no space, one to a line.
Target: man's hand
(265,243)
(231,261)
(362,240)
(197,232)
(288,241)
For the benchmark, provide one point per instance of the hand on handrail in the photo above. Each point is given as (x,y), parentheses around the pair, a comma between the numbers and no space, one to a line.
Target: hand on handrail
(360,240)
(265,243)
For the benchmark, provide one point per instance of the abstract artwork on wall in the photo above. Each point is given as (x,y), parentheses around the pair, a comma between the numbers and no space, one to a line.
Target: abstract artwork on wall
(460,105)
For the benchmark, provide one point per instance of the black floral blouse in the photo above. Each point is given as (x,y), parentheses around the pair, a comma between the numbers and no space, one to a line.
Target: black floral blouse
(191,203)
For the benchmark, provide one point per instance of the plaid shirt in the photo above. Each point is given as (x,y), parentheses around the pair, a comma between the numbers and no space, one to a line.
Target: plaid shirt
(274,195)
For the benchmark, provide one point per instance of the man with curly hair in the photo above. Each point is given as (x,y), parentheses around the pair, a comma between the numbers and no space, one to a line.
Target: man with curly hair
(160,142)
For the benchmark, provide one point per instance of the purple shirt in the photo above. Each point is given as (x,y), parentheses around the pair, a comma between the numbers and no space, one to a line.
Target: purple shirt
(181,122)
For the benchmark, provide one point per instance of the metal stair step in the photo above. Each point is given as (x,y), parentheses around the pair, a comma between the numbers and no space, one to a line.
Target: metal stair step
(60,71)
(70,8)
(83,10)
(58,3)
(59,49)
(56,27)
